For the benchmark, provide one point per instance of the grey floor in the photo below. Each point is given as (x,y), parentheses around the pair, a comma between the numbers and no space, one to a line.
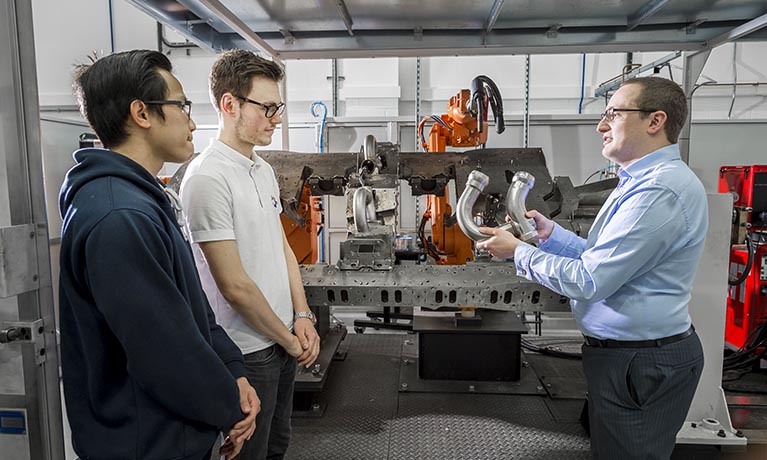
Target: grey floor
(366,416)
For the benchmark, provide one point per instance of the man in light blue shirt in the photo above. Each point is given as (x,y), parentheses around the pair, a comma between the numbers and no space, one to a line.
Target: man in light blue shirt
(630,281)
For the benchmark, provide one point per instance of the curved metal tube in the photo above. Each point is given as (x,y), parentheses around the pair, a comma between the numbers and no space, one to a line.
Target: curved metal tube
(368,163)
(364,209)
(369,148)
(521,184)
(474,186)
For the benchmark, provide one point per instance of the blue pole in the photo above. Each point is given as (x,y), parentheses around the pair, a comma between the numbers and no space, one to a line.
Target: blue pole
(583,81)
(321,232)
(111,28)
(322,122)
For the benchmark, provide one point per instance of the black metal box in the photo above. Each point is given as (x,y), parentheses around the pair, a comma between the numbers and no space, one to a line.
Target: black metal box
(487,352)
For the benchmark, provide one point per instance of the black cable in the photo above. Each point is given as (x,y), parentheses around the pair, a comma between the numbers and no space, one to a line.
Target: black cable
(747,343)
(422,235)
(494,98)
(430,248)
(753,343)
(592,175)
(744,360)
(740,358)
(436,119)
(549,351)
(442,122)
(749,264)
(420,134)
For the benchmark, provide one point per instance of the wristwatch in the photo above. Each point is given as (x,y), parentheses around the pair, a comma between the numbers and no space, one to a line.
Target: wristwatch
(305,314)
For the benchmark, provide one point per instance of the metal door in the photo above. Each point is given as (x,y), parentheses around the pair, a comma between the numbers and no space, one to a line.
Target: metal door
(30,402)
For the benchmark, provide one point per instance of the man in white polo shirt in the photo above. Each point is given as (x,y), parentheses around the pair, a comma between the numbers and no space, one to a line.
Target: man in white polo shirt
(248,270)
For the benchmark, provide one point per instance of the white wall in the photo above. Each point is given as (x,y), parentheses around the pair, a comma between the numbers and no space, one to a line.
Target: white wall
(381,90)
(67,32)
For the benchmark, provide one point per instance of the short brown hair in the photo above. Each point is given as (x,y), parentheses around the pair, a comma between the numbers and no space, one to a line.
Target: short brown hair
(659,93)
(233,72)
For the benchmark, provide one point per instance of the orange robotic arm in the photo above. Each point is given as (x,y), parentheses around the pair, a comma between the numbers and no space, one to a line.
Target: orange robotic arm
(464,125)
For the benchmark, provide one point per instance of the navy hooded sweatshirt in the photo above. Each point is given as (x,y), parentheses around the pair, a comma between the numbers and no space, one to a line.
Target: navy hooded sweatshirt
(148,374)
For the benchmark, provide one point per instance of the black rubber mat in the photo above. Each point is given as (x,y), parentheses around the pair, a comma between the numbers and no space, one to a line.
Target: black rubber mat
(368,417)
(561,378)
(753,382)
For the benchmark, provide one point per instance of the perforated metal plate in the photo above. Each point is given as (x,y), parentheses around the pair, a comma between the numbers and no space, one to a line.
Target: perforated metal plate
(462,426)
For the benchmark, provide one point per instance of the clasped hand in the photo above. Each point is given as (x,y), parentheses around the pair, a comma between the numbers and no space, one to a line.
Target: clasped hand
(242,430)
(306,346)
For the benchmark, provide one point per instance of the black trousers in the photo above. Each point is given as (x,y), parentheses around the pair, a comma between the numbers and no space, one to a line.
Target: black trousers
(639,397)
(272,372)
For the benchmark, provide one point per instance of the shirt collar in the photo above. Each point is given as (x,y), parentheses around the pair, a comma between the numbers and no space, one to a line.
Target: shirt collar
(235,156)
(645,164)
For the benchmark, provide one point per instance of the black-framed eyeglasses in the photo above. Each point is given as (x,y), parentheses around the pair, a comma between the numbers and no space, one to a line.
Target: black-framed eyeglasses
(186,106)
(609,114)
(270,110)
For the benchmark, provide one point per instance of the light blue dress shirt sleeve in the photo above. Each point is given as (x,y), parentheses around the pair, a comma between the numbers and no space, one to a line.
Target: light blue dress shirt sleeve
(631,279)
(642,229)
(564,243)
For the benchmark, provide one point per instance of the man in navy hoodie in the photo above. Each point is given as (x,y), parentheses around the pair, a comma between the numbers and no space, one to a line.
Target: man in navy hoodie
(148,374)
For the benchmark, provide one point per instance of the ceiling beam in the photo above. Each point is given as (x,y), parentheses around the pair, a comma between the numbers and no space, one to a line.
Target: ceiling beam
(645,12)
(495,11)
(738,32)
(240,28)
(344,12)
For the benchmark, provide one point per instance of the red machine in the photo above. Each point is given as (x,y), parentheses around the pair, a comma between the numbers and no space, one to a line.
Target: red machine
(747,300)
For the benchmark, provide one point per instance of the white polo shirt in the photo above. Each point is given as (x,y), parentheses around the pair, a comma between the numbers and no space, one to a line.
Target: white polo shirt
(229,197)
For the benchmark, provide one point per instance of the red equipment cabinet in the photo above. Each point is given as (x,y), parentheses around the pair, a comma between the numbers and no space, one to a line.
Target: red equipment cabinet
(747,301)
(749,186)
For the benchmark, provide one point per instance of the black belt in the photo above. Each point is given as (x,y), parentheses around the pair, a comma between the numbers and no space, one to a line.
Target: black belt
(610,343)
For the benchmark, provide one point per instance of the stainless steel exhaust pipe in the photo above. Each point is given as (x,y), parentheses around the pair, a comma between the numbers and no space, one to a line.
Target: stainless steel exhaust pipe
(364,209)
(521,184)
(474,186)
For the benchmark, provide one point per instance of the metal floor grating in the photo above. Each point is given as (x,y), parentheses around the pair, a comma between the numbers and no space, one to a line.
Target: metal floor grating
(367,418)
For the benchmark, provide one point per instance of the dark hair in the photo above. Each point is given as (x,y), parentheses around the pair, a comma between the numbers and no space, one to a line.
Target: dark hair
(659,93)
(233,72)
(106,88)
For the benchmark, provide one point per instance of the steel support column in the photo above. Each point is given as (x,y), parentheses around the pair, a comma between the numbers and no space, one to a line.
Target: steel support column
(285,117)
(693,66)
(526,115)
(29,378)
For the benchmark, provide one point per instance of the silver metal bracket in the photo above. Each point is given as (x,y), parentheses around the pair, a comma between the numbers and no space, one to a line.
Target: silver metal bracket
(18,260)
(25,332)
